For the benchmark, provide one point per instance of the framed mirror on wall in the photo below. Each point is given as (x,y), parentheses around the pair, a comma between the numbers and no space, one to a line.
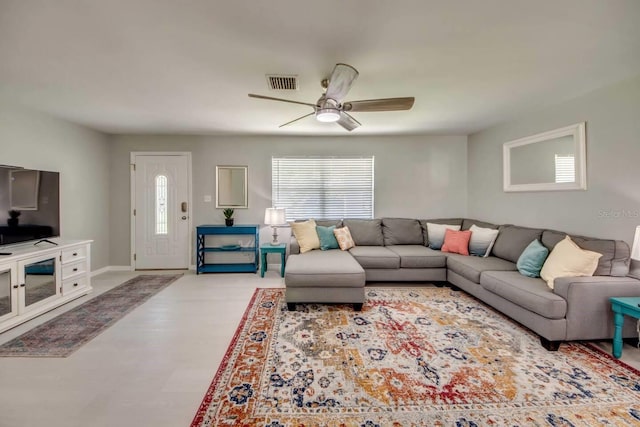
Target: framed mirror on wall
(548,161)
(231,187)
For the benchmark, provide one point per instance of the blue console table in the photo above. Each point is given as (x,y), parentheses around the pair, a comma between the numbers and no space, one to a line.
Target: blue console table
(203,248)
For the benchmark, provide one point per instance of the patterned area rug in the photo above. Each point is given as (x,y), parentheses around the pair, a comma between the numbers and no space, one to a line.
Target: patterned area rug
(412,357)
(64,334)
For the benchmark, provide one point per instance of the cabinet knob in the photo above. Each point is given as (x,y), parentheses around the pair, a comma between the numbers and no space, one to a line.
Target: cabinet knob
(75,284)
(15,286)
(22,285)
(75,254)
(75,269)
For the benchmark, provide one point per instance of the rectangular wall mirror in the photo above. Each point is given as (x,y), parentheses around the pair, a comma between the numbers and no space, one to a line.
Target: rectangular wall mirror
(548,161)
(231,187)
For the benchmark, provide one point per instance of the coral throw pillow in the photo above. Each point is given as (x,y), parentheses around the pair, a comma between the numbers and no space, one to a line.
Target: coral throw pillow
(306,235)
(456,242)
(568,260)
(343,236)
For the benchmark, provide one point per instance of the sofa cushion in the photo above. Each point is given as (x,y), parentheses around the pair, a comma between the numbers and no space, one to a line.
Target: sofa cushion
(568,260)
(532,259)
(470,267)
(305,233)
(615,253)
(329,222)
(418,256)
(530,293)
(512,240)
(467,223)
(425,232)
(402,231)
(343,237)
(482,240)
(332,268)
(456,242)
(437,232)
(375,257)
(327,238)
(365,232)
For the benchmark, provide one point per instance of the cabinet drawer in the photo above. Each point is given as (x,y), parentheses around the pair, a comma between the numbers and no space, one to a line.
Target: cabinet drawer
(69,255)
(72,269)
(73,285)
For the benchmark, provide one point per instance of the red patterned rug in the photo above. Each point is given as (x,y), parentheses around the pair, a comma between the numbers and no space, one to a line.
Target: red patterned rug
(412,357)
(64,334)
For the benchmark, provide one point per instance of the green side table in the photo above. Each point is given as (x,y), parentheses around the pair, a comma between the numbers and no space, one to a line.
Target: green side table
(272,249)
(622,306)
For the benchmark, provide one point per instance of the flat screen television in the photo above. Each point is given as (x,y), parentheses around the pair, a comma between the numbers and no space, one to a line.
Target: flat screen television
(29,204)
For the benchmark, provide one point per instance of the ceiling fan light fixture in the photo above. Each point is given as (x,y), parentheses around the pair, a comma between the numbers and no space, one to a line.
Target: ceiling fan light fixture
(328,115)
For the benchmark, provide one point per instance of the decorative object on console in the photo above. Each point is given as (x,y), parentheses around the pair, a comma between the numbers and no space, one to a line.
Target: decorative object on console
(435,233)
(634,268)
(306,235)
(228,217)
(482,240)
(569,260)
(456,242)
(275,217)
(13,220)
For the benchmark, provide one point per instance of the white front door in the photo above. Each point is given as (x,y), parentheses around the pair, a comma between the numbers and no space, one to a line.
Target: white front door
(161,210)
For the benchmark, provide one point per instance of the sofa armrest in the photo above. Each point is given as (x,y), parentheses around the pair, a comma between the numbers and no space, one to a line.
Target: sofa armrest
(589,314)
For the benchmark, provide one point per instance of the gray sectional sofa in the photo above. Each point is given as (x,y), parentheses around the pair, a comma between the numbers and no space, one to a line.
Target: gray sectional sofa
(396,250)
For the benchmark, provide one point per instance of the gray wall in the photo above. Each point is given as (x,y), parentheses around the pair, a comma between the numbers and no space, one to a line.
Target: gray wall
(610,208)
(37,141)
(415,176)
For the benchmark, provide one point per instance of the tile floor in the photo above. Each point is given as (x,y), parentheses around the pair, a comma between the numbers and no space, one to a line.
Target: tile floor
(151,368)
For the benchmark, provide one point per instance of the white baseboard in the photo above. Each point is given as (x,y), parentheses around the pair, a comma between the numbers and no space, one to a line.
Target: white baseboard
(111,268)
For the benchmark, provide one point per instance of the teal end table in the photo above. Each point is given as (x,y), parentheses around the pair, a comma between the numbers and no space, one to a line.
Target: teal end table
(622,306)
(272,249)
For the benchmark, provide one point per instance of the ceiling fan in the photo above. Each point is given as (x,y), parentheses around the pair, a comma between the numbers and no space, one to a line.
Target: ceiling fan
(330,106)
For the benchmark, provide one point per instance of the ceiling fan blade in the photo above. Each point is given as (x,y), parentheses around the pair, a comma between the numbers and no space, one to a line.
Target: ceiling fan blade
(385,104)
(252,95)
(340,82)
(347,121)
(295,120)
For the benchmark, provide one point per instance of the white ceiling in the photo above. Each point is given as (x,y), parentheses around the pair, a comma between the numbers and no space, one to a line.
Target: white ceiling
(170,66)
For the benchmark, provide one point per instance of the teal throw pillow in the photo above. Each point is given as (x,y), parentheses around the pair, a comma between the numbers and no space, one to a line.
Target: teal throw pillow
(532,259)
(327,238)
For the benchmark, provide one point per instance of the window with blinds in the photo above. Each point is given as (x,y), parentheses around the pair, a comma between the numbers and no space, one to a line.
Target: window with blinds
(565,169)
(323,187)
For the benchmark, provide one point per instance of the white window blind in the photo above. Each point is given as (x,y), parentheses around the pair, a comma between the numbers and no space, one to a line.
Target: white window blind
(323,187)
(565,169)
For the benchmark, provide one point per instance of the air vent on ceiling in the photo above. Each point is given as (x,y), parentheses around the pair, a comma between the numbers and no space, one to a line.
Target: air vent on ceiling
(282,82)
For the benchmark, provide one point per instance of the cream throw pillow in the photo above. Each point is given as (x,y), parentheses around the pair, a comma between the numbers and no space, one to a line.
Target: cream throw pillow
(568,260)
(343,236)
(306,235)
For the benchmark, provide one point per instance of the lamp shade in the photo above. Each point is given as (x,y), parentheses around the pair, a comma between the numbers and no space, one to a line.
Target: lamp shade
(635,249)
(275,216)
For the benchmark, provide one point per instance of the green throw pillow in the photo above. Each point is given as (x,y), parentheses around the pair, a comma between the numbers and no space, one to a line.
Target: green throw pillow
(327,238)
(532,259)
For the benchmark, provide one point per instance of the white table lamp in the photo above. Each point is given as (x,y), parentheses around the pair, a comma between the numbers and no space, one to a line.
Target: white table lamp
(634,269)
(275,217)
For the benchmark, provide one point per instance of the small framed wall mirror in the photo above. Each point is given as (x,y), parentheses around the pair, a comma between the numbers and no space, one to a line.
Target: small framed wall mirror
(231,187)
(548,161)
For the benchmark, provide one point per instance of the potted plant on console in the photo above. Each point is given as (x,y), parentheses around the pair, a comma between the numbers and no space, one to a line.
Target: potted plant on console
(13,218)
(228,217)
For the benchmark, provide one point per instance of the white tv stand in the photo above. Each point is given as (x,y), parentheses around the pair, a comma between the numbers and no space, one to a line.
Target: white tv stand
(36,279)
